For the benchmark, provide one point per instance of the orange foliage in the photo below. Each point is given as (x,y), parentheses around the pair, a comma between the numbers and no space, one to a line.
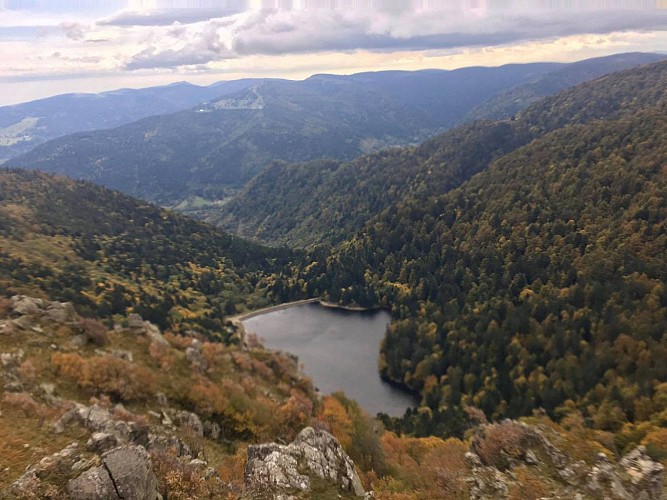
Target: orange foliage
(161,353)
(336,419)
(212,353)
(501,442)
(106,374)
(207,398)
(178,341)
(70,365)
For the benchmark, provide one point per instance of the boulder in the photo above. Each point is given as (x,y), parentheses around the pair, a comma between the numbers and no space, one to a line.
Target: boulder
(134,322)
(278,468)
(190,420)
(126,472)
(22,305)
(93,484)
(153,333)
(647,477)
(100,442)
(60,312)
(131,470)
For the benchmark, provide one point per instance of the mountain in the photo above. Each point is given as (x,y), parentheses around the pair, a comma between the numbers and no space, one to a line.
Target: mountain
(324,202)
(510,101)
(24,126)
(111,254)
(538,283)
(203,152)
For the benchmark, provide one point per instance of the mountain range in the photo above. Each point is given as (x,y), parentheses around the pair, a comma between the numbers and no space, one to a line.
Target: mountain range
(195,158)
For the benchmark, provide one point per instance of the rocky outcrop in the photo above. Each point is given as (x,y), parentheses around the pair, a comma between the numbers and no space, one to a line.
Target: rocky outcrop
(58,463)
(100,420)
(23,306)
(645,477)
(126,472)
(515,444)
(274,469)
(140,327)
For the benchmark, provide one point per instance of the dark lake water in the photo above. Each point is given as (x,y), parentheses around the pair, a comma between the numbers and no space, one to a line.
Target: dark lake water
(339,350)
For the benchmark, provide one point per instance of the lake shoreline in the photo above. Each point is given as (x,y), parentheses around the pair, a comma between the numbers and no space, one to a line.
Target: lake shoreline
(338,348)
(238,320)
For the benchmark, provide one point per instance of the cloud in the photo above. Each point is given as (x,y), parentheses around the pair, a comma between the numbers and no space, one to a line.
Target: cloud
(167,17)
(183,47)
(73,30)
(280,32)
(277,32)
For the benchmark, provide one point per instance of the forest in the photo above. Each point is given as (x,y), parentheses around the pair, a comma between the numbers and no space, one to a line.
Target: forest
(539,283)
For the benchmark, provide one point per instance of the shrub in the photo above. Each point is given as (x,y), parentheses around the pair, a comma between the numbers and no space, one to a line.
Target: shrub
(70,365)
(25,403)
(207,398)
(118,378)
(498,444)
(106,374)
(93,331)
(178,341)
(5,307)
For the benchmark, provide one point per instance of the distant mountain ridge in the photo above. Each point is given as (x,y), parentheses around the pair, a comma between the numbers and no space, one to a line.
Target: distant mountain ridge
(208,149)
(24,126)
(194,159)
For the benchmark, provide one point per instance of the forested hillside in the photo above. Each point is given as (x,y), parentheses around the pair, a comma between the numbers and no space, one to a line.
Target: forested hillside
(538,283)
(27,125)
(111,254)
(194,160)
(324,202)
(508,102)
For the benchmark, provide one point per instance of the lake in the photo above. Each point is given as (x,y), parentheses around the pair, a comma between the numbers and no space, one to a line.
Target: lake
(339,350)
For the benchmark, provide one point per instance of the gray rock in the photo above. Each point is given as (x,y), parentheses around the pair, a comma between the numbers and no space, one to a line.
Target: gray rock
(161,399)
(56,464)
(100,442)
(23,305)
(212,430)
(276,468)
(60,312)
(153,333)
(131,470)
(94,484)
(647,477)
(190,420)
(531,458)
(603,478)
(126,472)
(194,356)
(135,322)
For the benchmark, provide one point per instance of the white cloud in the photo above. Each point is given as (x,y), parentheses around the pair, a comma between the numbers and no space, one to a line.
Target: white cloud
(220,38)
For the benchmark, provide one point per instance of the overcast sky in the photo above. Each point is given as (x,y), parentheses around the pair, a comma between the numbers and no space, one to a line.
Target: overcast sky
(56,46)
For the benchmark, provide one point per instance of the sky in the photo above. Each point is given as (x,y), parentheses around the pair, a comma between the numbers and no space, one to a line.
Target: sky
(50,47)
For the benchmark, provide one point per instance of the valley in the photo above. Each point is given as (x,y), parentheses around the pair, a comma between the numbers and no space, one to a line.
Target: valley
(519,262)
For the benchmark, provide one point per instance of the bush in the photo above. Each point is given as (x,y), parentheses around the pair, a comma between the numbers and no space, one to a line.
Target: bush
(94,331)
(106,375)
(118,378)
(498,444)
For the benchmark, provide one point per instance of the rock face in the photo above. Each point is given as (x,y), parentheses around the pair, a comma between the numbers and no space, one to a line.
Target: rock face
(274,469)
(126,472)
(647,477)
(59,312)
(635,477)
